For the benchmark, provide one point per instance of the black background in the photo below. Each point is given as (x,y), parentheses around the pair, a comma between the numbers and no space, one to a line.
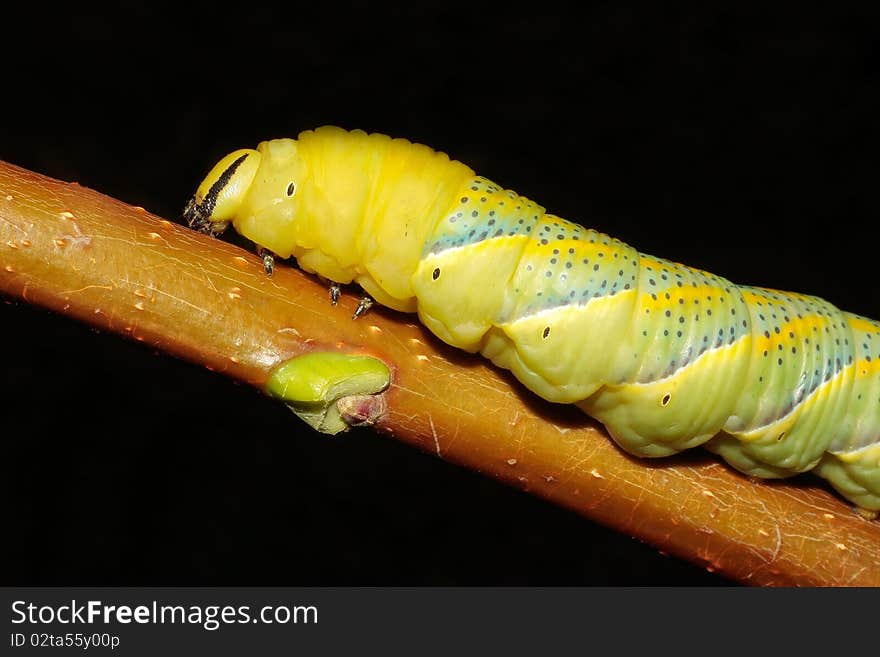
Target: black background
(742,143)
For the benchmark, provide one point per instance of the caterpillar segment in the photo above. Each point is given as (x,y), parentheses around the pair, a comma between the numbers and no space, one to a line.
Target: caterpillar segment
(667,357)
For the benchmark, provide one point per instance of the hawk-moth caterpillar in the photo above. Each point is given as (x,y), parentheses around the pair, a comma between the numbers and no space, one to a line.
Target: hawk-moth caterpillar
(666,356)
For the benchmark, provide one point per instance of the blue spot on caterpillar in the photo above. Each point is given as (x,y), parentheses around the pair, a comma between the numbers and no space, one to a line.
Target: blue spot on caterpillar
(667,357)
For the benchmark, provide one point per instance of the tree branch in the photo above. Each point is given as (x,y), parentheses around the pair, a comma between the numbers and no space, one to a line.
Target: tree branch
(124,270)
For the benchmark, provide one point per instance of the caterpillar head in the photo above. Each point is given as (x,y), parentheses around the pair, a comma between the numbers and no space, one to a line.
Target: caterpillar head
(220,196)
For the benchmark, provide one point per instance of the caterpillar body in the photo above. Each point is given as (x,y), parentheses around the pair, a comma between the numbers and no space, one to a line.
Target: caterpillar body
(666,356)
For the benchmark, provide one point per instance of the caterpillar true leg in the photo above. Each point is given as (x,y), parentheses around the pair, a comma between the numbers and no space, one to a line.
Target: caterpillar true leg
(268,259)
(363,306)
(334,294)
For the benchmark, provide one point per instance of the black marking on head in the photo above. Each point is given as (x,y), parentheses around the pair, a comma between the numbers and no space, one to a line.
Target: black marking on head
(198,214)
(210,200)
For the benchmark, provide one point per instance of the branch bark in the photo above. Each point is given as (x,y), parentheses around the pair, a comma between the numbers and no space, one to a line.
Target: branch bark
(124,270)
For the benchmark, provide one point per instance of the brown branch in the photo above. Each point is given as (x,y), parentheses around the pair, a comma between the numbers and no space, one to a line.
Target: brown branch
(122,269)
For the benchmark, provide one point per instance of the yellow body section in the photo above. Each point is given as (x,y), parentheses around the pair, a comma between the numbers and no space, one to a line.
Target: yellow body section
(666,356)
(362,208)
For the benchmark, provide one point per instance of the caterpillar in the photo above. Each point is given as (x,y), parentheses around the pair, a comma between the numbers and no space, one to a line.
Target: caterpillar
(665,356)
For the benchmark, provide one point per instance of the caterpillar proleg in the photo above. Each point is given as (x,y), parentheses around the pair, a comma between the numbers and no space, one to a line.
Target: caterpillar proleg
(666,356)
